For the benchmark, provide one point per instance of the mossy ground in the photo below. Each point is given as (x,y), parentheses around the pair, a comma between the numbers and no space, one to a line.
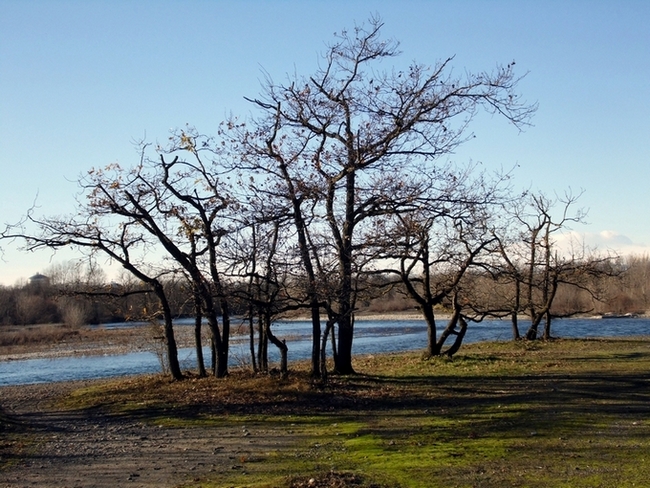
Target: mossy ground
(564,413)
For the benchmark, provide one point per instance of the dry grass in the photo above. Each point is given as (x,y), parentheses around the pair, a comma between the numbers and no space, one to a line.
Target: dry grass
(35,339)
(36,334)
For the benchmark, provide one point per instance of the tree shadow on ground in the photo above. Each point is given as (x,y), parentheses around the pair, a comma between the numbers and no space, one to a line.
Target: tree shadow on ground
(495,403)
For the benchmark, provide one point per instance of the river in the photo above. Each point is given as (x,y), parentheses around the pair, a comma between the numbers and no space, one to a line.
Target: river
(371,337)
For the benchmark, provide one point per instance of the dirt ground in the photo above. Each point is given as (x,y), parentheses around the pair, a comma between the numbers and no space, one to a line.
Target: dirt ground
(71,449)
(94,449)
(576,409)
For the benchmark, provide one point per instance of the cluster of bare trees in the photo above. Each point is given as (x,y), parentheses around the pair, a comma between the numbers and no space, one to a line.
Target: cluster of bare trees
(337,192)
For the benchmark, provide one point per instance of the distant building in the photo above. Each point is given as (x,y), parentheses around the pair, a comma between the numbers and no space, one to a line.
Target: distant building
(39,280)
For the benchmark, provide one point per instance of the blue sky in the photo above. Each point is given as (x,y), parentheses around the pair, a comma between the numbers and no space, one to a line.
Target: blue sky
(81,80)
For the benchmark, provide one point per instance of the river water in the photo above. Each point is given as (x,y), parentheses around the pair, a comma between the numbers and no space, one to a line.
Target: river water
(371,337)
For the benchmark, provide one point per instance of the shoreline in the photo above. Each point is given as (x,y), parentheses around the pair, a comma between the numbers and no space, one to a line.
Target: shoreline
(94,341)
(97,341)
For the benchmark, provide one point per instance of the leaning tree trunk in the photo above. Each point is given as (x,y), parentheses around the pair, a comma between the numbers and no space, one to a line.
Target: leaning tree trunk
(323,349)
(449,330)
(281,345)
(170,340)
(460,335)
(172,350)
(531,334)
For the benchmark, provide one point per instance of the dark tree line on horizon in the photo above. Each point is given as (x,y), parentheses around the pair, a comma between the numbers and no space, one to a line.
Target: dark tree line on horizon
(336,195)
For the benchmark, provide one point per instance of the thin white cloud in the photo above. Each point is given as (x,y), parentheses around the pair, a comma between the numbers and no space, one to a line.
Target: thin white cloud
(603,242)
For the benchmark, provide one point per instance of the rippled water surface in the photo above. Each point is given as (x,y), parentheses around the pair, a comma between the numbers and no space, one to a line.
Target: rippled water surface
(371,337)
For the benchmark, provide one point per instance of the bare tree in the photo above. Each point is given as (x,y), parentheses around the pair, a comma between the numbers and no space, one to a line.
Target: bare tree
(194,194)
(440,247)
(155,219)
(537,266)
(257,259)
(334,138)
(88,233)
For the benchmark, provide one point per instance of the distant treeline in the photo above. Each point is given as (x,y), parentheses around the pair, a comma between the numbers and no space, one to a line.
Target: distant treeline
(54,300)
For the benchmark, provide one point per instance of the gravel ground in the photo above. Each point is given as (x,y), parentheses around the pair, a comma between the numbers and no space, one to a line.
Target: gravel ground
(73,449)
(44,446)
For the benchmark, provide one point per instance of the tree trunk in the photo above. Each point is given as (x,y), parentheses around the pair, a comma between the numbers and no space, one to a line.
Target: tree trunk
(172,350)
(323,350)
(219,354)
(343,360)
(251,339)
(316,364)
(333,337)
(343,357)
(531,334)
(547,326)
(515,326)
(198,316)
(460,335)
(430,318)
(262,345)
(170,340)
(225,345)
(515,311)
(449,330)
(221,370)
(213,354)
(281,345)
(199,342)
(305,256)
